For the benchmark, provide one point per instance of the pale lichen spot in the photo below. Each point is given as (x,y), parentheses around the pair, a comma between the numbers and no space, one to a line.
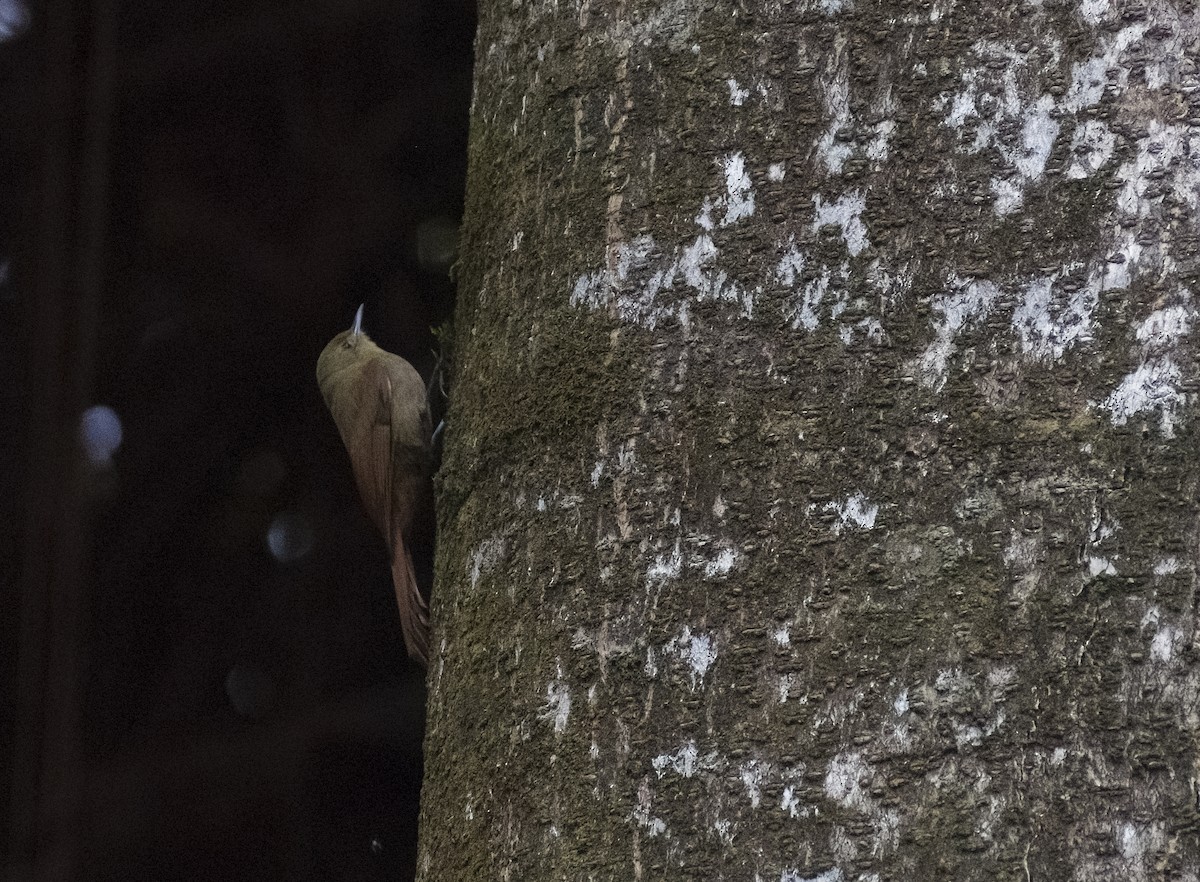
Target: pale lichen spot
(1100,566)
(650,668)
(1049,323)
(737,95)
(783,687)
(791,804)
(846,213)
(724,830)
(1091,147)
(843,779)
(831,148)
(790,265)
(697,651)
(968,301)
(483,559)
(558,702)
(1164,643)
(1166,566)
(1153,386)
(682,762)
(739,196)
(655,826)
(753,773)
(810,300)
(853,511)
(721,564)
(666,568)
(1164,326)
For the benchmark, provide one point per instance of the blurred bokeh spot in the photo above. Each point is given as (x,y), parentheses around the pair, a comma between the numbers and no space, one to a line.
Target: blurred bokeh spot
(100,433)
(14,18)
(289,537)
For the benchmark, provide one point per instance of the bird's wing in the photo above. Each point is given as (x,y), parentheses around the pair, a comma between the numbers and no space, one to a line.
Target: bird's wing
(371,446)
(376,479)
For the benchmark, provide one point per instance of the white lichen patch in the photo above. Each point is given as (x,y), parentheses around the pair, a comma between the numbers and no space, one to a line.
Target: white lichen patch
(1152,386)
(558,702)
(855,511)
(666,567)
(737,95)
(642,814)
(1166,566)
(681,762)
(698,652)
(837,710)
(1020,120)
(631,287)
(1163,327)
(1053,317)
(1165,155)
(1020,127)
(739,194)
(671,23)
(721,564)
(790,804)
(968,301)
(790,265)
(1165,643)
(712,558)
(847,782)
(783,687)
(843,780)
(846,213)
(1091,147)
(724,830)
(832,149)
(1139,844)
(1092,76)
(483,559)
(804,313)
(753,775)
(1156,384)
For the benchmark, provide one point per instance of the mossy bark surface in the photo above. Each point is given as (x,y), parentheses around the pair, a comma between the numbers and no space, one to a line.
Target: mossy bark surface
(820,491)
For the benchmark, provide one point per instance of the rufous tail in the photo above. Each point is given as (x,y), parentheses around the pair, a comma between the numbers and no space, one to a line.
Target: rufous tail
(414,612)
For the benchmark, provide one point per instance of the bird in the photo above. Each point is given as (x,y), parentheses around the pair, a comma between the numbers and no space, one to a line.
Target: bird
(381,408)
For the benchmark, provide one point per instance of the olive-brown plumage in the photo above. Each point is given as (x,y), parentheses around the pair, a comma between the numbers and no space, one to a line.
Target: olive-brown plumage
(379,404)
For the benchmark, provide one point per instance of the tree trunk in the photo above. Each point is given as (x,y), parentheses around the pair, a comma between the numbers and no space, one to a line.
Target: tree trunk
(820,492)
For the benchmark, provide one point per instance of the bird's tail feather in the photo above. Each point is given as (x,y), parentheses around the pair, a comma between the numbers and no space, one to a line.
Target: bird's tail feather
(414,612)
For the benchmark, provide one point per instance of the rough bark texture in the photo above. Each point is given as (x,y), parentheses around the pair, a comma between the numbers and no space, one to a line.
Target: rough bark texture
(820,496)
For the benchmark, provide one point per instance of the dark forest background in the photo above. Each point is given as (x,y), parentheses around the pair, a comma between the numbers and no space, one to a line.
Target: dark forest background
(204,676)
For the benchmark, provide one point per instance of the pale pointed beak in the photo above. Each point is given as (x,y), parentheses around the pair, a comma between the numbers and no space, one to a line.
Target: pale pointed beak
(356,328)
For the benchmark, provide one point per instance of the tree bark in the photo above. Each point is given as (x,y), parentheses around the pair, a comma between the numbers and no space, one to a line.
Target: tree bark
(820,491)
